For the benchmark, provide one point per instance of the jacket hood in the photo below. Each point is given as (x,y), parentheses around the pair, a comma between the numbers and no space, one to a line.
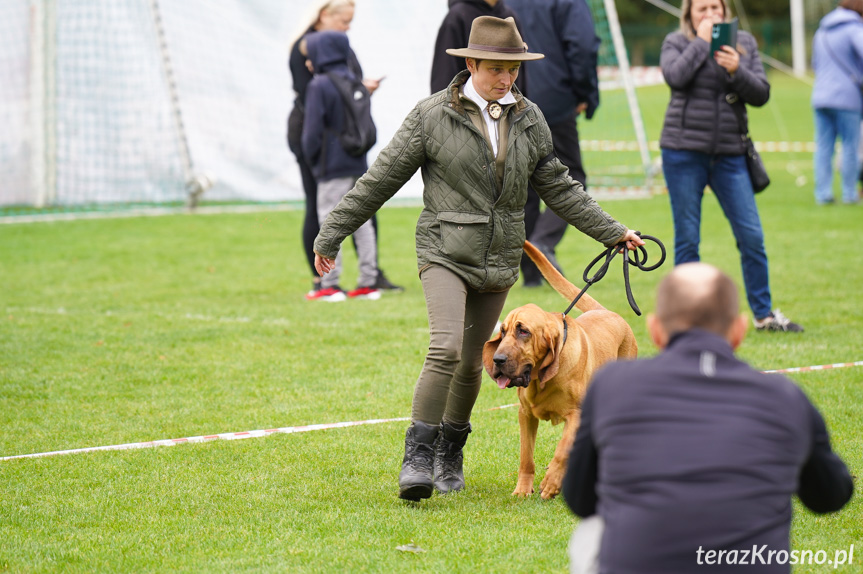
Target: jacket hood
(840,16)
(327,50)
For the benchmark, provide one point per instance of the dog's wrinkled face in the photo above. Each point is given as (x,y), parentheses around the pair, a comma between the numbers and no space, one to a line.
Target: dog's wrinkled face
(522,351)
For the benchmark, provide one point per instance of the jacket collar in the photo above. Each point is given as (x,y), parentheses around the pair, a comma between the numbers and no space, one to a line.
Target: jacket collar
(699,339)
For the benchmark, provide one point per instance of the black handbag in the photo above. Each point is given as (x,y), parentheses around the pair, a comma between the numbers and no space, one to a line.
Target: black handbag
(757,171)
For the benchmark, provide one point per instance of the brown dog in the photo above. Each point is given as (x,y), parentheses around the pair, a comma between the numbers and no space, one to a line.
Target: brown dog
(552,366)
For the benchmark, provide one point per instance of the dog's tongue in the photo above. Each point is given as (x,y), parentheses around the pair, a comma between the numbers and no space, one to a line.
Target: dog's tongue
(502,382)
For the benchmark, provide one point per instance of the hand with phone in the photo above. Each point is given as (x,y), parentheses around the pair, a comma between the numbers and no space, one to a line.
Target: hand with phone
(723,44)
(728,58)
(372,84)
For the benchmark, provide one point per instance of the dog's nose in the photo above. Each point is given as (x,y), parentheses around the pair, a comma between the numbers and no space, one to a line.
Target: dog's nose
(499,359)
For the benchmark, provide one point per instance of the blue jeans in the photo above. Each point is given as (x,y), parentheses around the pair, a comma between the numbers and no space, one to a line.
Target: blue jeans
(687,173)
(830,123)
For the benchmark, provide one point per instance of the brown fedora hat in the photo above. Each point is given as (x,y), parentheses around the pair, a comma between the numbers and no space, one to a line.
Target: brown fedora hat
(495,39)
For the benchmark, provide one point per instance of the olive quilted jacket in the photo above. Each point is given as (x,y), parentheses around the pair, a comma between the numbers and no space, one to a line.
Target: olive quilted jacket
(466,225)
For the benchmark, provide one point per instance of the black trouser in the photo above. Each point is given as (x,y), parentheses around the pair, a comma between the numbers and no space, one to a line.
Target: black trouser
(547,228)
(311,225)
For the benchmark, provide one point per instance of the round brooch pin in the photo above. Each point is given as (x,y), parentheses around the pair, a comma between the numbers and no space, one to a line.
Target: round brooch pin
(494,110)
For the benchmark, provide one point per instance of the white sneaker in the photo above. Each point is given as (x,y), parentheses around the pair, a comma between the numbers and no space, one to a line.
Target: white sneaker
(776,321)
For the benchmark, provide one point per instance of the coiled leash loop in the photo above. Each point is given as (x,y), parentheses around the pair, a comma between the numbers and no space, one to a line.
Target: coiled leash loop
(639,261)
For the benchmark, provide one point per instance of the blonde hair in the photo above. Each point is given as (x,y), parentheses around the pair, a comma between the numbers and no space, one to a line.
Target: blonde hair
(686,17)
(314,11)
(313,16)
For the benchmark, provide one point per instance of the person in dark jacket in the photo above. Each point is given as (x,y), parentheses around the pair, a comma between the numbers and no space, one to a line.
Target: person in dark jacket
(335,15)
(702,145)
(837,97)
(477,144)
(335,170)
(564,85)
(693,454)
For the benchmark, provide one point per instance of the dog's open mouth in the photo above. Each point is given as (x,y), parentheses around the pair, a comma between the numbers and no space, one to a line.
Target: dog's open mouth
(505,382)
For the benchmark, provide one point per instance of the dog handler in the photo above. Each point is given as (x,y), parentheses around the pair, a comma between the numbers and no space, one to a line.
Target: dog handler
(478,143)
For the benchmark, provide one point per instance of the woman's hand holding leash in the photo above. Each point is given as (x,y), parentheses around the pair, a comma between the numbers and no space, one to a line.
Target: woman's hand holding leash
(632,239)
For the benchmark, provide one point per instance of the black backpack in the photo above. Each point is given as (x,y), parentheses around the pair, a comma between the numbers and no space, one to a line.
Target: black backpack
(359,133)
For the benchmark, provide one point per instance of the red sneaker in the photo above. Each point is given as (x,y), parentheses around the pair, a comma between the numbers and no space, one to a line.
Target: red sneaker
(365,293)
(331,294)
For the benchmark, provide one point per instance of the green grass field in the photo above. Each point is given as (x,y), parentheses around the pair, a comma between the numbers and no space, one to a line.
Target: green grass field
(126,330)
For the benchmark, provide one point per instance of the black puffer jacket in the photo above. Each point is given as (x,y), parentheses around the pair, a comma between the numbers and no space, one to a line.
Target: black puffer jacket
(698,117)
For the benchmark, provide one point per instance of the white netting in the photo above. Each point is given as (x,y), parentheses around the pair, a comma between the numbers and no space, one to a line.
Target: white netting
(90,115)
(15,138)
(115,139)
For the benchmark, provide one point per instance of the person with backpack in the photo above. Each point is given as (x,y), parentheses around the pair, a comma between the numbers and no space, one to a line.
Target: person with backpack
(337,133)
(323,15)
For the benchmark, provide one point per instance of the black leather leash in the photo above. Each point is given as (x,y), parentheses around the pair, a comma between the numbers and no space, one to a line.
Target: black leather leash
(639,261)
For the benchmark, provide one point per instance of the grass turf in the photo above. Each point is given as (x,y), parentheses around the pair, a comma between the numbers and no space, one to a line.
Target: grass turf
(116,331)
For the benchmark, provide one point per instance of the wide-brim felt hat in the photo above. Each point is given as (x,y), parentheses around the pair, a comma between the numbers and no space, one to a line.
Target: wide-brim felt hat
(495,39)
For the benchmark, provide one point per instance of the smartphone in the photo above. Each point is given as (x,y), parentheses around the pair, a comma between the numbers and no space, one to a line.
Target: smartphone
(723,34)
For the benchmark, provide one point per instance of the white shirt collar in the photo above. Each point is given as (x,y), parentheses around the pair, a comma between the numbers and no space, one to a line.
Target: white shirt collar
(470,92)
(491,124)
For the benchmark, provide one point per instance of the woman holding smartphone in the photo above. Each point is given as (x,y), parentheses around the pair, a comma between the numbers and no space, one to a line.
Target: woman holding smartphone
(702,145)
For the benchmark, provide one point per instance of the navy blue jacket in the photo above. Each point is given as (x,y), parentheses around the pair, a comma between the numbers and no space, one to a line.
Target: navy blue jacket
(454,32)
(325,111)
(694,449)
(300,74)
(563,31)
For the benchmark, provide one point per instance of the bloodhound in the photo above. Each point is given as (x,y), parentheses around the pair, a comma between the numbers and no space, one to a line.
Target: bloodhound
(551,359)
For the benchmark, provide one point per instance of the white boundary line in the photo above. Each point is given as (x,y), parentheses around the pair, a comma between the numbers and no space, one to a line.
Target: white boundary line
(222,436)
(818,368)
(207,438)
(316,427)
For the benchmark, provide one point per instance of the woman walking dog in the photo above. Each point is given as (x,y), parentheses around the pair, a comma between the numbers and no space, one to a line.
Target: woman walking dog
(478,143)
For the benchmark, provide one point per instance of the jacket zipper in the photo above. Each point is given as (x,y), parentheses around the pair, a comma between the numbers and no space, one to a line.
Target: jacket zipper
(716,114)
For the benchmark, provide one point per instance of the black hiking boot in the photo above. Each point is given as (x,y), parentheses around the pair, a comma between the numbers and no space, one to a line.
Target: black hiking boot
(381,282)
(416,480)
(448,468)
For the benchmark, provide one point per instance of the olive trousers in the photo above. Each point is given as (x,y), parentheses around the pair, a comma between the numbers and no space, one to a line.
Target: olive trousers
(461,320)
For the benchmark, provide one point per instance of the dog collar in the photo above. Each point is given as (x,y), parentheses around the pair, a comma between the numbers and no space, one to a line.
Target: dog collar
(564,330)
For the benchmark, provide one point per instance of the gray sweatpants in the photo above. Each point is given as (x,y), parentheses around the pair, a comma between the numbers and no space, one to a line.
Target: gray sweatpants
(330,192)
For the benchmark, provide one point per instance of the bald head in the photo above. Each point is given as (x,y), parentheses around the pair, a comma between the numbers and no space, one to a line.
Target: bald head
(697,295)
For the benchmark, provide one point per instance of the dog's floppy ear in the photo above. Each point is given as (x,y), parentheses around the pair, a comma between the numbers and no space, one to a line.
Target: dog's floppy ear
(488,351)
(551,363)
